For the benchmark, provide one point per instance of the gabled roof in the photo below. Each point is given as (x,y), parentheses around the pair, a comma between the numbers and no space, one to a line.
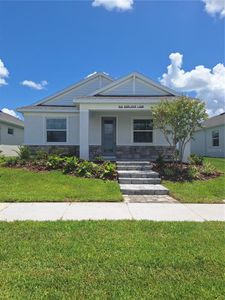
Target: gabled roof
(134,84)
(74,86)
(214,121)
(6,118)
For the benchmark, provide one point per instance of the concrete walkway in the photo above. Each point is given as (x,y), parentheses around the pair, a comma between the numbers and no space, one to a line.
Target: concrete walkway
(112,211)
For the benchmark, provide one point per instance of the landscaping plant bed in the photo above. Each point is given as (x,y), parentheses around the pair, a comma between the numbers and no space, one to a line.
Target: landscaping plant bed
(186,172)
(71,165)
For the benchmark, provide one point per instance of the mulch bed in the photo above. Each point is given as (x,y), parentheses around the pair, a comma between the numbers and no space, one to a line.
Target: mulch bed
(181,172)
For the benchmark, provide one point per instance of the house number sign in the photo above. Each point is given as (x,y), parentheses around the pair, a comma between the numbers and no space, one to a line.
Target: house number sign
(131,106)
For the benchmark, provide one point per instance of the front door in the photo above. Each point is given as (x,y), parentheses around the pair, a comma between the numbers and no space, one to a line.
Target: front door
(108,136)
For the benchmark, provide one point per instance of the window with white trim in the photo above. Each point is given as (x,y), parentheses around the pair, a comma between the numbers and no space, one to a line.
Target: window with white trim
(142,131)
(215,138)
(56,130)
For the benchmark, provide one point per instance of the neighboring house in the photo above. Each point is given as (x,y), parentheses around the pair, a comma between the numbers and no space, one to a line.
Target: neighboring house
(210,139)
(100,116)
(11,130)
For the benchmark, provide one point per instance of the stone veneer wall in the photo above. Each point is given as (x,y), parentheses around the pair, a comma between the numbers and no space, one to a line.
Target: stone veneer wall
(59,149)
(95,151)
(135,152)
(143,152)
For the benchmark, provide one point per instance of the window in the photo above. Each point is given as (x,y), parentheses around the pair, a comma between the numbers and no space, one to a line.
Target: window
(215,138)
(142,131)
(56,130)
(10,131)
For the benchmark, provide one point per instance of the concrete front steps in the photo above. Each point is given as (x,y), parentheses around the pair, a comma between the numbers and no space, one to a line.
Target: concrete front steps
(137,178)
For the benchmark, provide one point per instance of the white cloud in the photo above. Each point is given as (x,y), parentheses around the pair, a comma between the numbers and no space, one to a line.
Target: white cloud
(34,85)
(4,73)
(121,5)
(215,7)
(207,84)
(10,112)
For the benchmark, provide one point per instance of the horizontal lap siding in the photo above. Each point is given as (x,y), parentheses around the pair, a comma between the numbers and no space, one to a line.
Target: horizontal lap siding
(35,128)
(84,90)
(16,138)
(124,127)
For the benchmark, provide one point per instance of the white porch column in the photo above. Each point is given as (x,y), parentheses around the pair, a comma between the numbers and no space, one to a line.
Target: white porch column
(84,133)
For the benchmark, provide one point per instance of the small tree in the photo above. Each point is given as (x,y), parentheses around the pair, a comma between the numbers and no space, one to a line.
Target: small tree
(178,120)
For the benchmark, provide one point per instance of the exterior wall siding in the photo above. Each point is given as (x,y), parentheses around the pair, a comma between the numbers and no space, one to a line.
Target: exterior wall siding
(35,128)
(202,143)
(86,89)
(7,139)
(124,129)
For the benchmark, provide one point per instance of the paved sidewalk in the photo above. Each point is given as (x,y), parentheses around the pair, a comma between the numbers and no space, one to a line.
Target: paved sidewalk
(112,211)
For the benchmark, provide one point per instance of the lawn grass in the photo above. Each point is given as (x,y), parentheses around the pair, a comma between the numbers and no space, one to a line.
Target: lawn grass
(18,185)
(209,191)
(112,260)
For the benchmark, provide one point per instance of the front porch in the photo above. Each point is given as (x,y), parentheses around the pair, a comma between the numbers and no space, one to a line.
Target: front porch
(121,134)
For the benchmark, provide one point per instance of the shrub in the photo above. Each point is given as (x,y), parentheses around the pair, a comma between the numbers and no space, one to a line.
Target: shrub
(10,161)
(160,161)
(193,172)
(86,169)
(196,159)
(70,164)
(54,162)
(41,154)
(208,169)
(108,171)
(24,152)
(99,159)
(169,172)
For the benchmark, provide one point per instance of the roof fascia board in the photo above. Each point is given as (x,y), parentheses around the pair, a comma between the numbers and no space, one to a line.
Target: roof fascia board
(47,110)
(11,123)
(118,100)
(73,86)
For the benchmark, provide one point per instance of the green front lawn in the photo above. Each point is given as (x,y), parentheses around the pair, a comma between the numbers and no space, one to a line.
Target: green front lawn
(112,260)
(26,186)
(209,191)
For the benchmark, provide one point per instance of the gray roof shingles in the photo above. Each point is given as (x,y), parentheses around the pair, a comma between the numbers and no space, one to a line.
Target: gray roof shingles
(6,118)
(214,121)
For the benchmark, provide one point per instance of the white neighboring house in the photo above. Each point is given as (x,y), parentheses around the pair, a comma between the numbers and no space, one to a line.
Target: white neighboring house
(100,116)
(210,140)
(11,130)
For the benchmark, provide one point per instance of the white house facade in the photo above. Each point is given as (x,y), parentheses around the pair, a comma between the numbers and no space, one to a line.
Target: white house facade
(210,139)
(100,116)
(11,130)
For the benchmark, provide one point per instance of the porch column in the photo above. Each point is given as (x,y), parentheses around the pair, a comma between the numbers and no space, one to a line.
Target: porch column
(84,134)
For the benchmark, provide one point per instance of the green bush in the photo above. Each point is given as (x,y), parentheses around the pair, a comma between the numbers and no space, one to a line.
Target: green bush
(41,154)
(196,159)
(70,164)
(160,161)
(208,169)
(193,172)
(10,161)
(54,162)
(169,172)
(24,152)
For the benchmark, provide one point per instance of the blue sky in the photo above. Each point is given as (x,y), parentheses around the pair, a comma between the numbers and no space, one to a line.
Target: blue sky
(62,42)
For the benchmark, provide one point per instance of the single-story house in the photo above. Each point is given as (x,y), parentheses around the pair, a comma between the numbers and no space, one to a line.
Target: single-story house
(100,116)
(210,139)
(11,130)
